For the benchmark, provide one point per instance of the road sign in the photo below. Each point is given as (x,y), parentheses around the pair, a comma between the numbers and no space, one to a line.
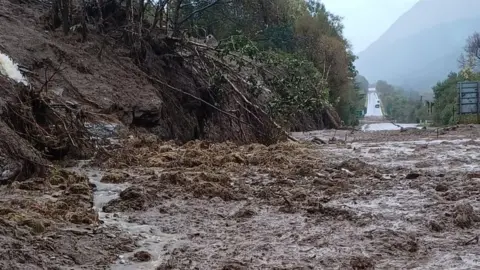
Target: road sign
(359,114)
(468,97)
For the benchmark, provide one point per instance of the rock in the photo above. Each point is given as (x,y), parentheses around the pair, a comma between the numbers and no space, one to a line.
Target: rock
(93,186)
(132,193)
(436,226)
(142,256)
(412,175)
(473,175)
(304,171)
(35,225)
(441,187)
(79,189)
(114,178)
(362,263)
(464,215)
(165,148)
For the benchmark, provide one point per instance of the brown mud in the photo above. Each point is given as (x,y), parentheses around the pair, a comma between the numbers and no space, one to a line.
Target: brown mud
(295,205)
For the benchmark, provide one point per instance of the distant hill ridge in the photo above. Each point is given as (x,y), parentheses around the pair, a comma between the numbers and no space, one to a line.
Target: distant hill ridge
(423,45)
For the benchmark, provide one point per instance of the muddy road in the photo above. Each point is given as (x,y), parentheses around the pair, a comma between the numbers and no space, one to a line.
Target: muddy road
(333,200)
(380,200)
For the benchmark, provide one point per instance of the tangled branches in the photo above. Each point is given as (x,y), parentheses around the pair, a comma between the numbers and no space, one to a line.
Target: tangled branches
(54,128)
(35,129)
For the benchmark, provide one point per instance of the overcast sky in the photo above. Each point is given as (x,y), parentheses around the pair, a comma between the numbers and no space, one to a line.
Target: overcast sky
(366,20)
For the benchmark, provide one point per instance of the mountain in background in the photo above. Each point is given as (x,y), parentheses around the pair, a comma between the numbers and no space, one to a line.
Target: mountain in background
(423,45)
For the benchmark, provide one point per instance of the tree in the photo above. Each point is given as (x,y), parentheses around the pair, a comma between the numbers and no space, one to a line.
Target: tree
(469,59)
(362,83)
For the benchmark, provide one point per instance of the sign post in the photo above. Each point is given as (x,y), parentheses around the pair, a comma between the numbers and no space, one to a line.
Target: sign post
(469,98)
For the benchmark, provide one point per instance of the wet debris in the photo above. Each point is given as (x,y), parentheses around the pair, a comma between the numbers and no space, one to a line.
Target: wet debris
(81,188)
(132,198)
(472,241)
(318,140)
(473,175)
(464,215)
(36,225)
(174,178)
(115,178)
(352,164)
(304,170)
(235,266)
(410,245)
(412,175)
(423,164)
(142,256)
(245,212)
(315,208)
(362,263)
(374,150)
(132,193)
(441,187)
(420,147)
(436,226)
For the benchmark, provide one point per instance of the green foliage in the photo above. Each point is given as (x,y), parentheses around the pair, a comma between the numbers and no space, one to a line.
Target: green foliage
(446,93)
(299,41)
(446,98)
(298,86)
(362,83)
(300,90)
(400,105)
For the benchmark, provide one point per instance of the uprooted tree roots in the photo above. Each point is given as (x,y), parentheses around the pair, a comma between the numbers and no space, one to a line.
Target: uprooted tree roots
(35,129)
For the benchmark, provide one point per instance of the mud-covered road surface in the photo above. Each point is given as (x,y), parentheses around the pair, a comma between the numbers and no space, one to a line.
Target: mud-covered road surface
(382,200)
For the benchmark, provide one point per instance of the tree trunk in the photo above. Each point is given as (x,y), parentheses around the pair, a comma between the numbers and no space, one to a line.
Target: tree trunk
(65,17)
(100,22)
(129,21)
(141,9)
(176,17)
(158,14)
(83,22)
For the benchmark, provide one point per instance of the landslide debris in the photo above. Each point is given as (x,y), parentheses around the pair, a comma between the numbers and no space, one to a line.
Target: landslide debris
(49,223)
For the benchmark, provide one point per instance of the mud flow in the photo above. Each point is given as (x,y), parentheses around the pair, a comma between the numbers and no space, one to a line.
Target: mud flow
(376,200)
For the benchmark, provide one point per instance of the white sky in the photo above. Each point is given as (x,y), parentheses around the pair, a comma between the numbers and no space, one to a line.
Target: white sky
(366,20)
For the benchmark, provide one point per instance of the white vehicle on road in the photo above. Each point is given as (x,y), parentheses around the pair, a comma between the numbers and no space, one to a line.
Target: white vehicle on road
(373,104)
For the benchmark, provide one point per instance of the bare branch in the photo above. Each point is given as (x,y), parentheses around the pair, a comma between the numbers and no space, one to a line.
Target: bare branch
(473,45)
(198,11)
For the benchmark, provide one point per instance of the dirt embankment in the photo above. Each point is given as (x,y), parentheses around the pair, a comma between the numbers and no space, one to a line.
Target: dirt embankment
(166,86)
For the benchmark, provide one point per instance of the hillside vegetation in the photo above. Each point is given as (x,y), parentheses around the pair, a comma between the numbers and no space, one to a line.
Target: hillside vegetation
(400,105)
(446,92)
